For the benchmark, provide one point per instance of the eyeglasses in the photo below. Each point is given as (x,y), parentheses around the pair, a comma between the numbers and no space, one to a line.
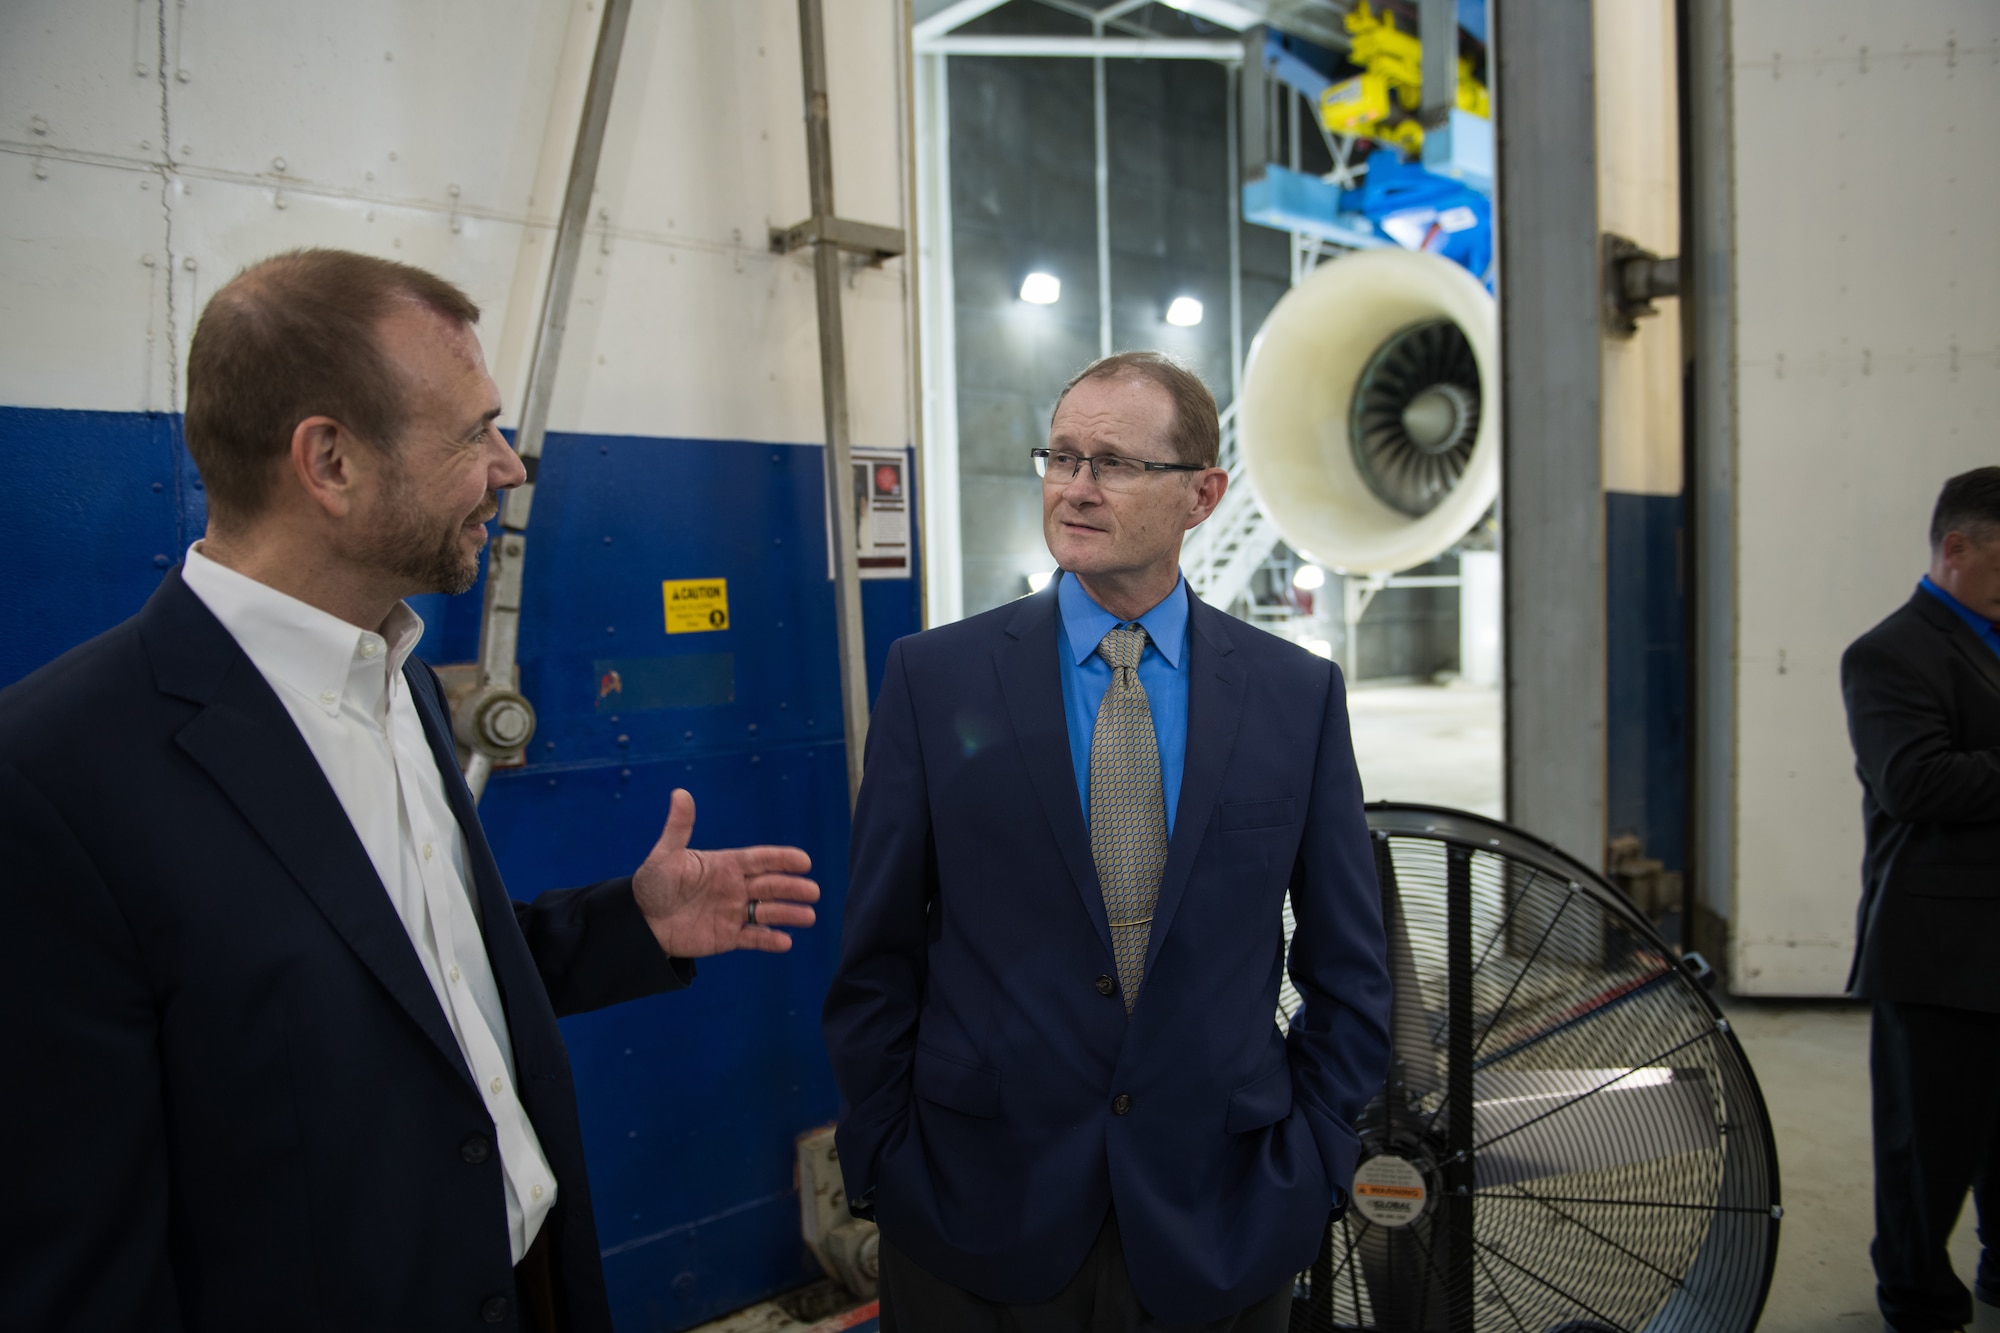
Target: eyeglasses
(1059,467)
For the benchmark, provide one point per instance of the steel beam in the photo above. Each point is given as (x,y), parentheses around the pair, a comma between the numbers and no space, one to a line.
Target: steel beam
(1437,29)
(494,698)
(833,392)
(1135,48)
(1552,488)
(1709,323)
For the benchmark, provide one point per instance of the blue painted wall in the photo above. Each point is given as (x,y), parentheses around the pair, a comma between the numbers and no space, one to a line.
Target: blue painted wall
(690,1102)
(1646,678)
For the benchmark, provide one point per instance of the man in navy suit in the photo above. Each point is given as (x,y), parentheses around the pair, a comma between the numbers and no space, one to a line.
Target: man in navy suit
(281,1051)
(1065,1097)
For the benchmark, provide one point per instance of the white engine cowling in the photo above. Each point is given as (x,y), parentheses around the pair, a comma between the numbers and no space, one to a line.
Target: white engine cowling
(1370,424)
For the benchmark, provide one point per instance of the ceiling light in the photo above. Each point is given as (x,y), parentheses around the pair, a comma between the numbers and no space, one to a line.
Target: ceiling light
(1309,578)
(1040,579)
(1184,312)
(1041,288)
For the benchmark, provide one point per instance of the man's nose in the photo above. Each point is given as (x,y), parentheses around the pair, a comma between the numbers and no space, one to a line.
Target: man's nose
(509,471)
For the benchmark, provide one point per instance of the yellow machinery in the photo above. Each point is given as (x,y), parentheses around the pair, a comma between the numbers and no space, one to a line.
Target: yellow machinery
(1380,103)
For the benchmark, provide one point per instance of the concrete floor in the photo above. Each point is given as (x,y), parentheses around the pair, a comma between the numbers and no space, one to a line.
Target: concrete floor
(1441,746)
(1433,744)
(1811,1059)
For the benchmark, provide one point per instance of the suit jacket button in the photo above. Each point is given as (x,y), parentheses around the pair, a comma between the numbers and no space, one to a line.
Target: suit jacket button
(475,1149)
(493,1309)
(1106,986)
(1120,1104)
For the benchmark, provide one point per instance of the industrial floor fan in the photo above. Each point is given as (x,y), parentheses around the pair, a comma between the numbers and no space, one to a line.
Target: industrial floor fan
(1570,1139)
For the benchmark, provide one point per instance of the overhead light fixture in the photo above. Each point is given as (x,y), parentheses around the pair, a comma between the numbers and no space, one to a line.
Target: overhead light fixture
(1040,578)
(1041,288)
(1309,578)
(1185,312)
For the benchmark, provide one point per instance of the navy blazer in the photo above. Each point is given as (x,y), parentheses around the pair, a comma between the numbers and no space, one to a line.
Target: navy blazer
(234,1101)
(994,1099)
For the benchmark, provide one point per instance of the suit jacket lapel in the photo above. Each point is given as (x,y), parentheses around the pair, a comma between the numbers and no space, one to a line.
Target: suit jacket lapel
(1215,706)
(250,747)
(1031,682)
(1960,634)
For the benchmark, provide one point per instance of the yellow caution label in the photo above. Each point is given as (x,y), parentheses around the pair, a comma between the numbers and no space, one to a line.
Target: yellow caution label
(696,605)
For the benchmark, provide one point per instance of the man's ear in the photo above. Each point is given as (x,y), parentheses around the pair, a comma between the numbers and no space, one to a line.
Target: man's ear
(325,463)
(1208,491)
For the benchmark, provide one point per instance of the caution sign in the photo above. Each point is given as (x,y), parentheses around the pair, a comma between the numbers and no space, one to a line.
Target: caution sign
(696,605)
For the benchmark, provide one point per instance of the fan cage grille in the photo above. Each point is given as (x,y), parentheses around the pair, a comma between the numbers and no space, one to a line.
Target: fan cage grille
(1623,1173)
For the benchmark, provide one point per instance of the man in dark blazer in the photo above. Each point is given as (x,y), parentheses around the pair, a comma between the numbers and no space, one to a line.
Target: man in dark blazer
(1923,711)
(282,1052)
(1065,1097)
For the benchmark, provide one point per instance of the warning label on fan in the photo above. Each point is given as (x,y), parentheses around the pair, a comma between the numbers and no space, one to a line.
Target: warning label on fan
(694,605)
(1389,1191)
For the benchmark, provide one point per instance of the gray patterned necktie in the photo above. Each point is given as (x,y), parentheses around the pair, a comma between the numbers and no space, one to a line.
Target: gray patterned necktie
(1128,812)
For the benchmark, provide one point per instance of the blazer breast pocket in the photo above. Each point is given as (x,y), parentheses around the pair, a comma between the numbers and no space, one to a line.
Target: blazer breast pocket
(1236,816)
(967,1089)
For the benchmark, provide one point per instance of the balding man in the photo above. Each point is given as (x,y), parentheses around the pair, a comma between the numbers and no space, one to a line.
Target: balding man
(282,1051)
(1064,1095)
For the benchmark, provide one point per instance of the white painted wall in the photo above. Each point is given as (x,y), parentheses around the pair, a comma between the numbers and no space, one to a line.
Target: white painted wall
(1867,316)
(439,134)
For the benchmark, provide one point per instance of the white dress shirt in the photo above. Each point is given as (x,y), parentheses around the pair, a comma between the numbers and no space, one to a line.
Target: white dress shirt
(344,688)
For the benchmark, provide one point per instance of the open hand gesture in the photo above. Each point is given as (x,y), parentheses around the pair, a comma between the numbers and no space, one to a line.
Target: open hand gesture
(702,903)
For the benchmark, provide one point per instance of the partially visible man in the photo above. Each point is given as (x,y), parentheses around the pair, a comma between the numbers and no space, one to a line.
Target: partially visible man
(1923,711)
(1064,1095)
(282,1051)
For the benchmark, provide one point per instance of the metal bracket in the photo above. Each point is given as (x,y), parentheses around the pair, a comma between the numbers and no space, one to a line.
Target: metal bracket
(1634,278)
(861,238)
(846,1247)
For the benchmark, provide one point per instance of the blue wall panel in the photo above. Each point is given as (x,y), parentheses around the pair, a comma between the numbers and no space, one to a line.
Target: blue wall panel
(1646,678)
(105,502)
(690,1102)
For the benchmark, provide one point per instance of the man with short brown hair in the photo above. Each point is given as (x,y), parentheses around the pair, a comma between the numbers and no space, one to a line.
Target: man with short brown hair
(1064,1096)
(283,1052)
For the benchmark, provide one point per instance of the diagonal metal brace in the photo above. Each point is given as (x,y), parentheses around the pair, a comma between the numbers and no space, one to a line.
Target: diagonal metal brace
(861,238)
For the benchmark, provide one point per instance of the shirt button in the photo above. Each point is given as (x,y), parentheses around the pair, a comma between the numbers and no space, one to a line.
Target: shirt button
(536,1194)
(497,1085)
(493,1310)
(475,1149)
(453,974)
(370,648)
(1120,1104)
(1106,986)
(328,697)
(427,851)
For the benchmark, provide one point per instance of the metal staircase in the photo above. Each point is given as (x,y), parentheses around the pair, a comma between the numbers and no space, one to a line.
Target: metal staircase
(1221,555)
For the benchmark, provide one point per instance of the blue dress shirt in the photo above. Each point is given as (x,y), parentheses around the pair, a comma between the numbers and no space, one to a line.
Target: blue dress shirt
(1086,676)
(1981,626)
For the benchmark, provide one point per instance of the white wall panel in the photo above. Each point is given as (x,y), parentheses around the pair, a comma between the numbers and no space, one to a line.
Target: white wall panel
(439,134)
(1868,371)
(701,330)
